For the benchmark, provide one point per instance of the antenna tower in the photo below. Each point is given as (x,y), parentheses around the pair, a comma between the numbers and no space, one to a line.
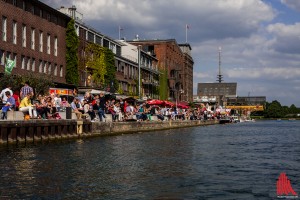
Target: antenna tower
(220,76)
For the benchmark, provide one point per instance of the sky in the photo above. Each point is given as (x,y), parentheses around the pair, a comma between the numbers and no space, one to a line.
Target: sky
(260,39)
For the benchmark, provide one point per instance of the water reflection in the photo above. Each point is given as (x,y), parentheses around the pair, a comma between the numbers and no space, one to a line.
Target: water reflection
(240,161)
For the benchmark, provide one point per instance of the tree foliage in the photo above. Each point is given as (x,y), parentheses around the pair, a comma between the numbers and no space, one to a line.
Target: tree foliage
(72,42)
(101,65)
(275,110)
(39,82)
(163,82)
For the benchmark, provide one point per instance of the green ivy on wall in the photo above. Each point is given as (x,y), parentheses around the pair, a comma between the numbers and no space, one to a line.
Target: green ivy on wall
(163,82)
(72,42)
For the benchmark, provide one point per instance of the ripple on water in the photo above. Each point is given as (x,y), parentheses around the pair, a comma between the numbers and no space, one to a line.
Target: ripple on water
(238,161)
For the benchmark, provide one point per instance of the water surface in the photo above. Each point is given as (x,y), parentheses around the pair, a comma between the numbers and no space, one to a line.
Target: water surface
(236,161)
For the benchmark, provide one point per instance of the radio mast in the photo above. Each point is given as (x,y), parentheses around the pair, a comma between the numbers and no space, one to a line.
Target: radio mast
(220,76)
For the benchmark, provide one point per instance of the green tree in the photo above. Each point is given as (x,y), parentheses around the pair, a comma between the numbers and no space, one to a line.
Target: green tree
(274,110)
(39,82)
(101,64)
(110,76)
(163,82)
(293,109)
(72,42)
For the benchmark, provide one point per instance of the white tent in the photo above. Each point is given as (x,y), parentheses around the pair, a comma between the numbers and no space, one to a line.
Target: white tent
(98,91)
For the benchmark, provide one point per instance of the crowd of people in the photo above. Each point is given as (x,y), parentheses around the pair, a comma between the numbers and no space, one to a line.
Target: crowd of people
(98,106)
(94,107)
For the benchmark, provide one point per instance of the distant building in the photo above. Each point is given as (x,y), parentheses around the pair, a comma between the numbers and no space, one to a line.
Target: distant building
(187,72)
(34,35)
(149,74)
(176,60)
(216,92)
(251,103)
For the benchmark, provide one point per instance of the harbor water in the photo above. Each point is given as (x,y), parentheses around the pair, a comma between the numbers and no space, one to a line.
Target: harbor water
(232,161)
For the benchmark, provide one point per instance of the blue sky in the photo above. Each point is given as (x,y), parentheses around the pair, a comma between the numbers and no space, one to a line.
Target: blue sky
(259,39)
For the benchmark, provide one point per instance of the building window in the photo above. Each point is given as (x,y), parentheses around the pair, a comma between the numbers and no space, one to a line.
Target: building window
(41,13)
(45,67)
(77,30)
(32,38)
(55,70)
(4,24)
(41,41)
(23,62)
(14,32)
(49,68)
(61,71)
(33,65)
(48,43)
(32,10)
(24,5)
(1,57)
(15,58)
(8,55)
(55,46)
(24,35)
(28,63)
(41,66)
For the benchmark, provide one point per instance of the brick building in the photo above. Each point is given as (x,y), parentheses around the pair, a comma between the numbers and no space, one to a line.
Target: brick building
(171,58)
(126,64)
(187,72)
(34,35)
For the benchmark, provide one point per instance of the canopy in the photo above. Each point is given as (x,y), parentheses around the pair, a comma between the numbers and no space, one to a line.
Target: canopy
(98,91)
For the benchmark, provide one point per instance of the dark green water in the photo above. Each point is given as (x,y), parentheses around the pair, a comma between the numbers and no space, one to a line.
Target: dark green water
(236,161)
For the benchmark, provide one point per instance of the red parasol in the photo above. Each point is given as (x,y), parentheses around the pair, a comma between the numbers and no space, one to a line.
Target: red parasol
(182,106)
(169,104)
(155,102)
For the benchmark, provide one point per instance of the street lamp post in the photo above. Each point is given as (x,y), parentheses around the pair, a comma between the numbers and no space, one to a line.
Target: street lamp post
(178,93)
(139,72)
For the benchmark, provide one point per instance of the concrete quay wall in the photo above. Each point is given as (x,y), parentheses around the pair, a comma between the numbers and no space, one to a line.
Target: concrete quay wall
(135,127)
(32,131)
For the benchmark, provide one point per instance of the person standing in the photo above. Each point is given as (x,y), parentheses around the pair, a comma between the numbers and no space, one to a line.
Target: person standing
(102,106)
(26,89)
(3,95)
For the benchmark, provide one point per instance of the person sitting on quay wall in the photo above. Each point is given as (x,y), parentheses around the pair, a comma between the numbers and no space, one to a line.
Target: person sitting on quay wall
(64,103)
(3,93)
(16,96)
(77,108)
(88,109)
(41,107)
(9,105)
(26,106)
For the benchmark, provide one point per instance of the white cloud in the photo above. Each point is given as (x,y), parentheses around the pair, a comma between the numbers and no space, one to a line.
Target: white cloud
(267,73)
(295,4)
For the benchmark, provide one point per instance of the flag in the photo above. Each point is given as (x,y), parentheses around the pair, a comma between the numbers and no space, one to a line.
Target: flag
(10,64)
(187,26)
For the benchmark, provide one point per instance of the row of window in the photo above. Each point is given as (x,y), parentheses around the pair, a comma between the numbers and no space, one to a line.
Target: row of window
(38,10)
(31,64)
(32,37)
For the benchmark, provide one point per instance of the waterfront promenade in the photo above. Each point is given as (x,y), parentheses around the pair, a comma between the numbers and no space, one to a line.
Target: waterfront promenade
(30,131)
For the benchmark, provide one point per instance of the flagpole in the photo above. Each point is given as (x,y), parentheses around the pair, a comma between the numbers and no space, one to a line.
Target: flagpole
(119,32)
(186,33)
